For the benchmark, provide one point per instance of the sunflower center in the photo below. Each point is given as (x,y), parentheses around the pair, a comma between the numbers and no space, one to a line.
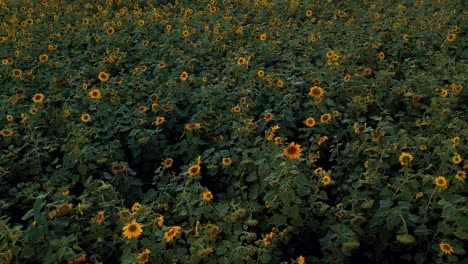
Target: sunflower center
(291,150)
(132,228)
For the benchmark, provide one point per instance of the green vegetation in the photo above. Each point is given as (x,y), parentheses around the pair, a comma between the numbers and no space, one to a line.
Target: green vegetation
(234,131)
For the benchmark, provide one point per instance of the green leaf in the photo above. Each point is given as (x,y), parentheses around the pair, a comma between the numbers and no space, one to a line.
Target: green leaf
(278,220)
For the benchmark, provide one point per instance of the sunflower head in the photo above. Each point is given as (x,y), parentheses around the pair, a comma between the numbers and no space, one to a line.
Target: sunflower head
(134,229)
(293,151)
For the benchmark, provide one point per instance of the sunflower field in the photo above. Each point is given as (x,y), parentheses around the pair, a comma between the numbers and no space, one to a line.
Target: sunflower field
(233,131)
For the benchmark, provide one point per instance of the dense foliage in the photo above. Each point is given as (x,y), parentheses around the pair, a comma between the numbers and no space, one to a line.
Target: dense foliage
(233,131)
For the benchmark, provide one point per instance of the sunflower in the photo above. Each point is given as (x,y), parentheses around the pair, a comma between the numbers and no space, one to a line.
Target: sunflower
(241,61)
(326,180)
(168,163)
(278,140)
(95,94)
(33,111)
(110,31)
(381,56)
(446,248)
(185,33)
(330,54)
(301,260)
(279,83)
(325,118)
(153,98)
(135,207)
(461,175)
(6,132)
(457,158)
(261,73)
(308,13)
(207,195)
(236,109)
(194,170)
(142,109)
(162,65)
(160,221)
(144,256)
(159,120)
(134,229)
(441,182)
(226,161)
(268,117)
(17,73)
(100,217)
(347,78)
(183,76)
(267,239)
(405,158)
(9,118)
(43,57)
(451,37)
(192,126)
(263,36)
(171,233)
(419,195)
(455,141)
(322,140)
(85,117)
(293,151)
(310,122)
(38,98)
(103,77)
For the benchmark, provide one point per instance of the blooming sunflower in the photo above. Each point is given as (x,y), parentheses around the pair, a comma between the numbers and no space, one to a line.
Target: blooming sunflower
(293,151)
(159,120)
(446,248)
(134,229)
(455,141)
(135,207)
(316,91)
(461,175)
(183,76)
(168,163)
(144,256)
(103,77)
(207,195)
(192,126)
(171,233)
(310,122)
(236,109)
(227,161)
(85,117)
(347,78)
(405,158)
(451,37)
(38,98)
(278,140)
(95,94)
(268,117)
(194,170)
(325,118)
(43,57)
(6,132)
(457,158)
(326,180)
(441,182)
(241,61)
